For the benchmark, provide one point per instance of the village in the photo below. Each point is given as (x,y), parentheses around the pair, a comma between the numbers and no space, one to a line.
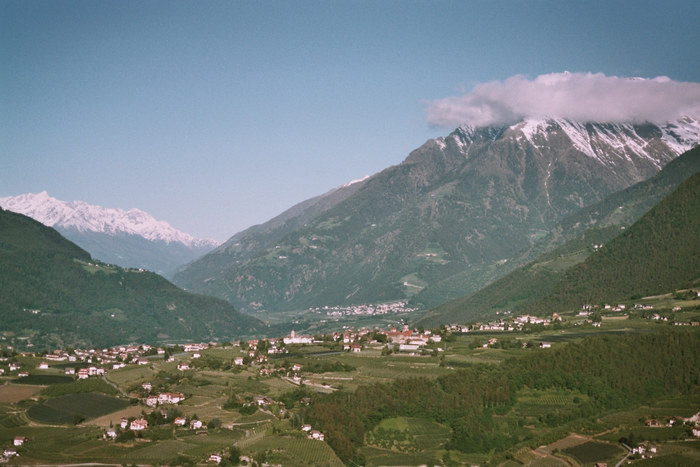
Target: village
(160,400)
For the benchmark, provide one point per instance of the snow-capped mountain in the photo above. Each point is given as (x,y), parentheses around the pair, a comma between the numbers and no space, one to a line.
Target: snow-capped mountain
(608,143)
(454,215)
(130,238)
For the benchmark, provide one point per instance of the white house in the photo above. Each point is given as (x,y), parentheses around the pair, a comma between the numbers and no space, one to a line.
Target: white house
(19,440)
(196,424)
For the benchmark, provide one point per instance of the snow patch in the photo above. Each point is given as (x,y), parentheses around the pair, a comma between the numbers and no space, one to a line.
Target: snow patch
(359,180)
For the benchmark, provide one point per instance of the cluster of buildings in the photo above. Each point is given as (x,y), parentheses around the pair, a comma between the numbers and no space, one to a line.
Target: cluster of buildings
(10,452)
(364,310)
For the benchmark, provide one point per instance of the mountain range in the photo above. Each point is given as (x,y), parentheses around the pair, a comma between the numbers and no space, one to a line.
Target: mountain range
(459,212)
(130,238)
(56,295)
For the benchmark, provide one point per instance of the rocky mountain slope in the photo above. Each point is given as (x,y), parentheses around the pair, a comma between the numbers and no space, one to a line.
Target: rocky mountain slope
(588,231)
(56,295)
(449,219)
(127,238)
(252,241)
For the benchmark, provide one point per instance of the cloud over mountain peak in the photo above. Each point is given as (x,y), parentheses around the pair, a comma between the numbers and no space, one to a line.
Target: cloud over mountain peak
(585,97)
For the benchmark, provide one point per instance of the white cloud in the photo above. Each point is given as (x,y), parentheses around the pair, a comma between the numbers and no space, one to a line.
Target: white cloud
(576,96)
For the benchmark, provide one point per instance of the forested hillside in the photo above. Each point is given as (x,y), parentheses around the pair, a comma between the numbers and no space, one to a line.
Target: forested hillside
(658,253)
(55,295)
(607,372)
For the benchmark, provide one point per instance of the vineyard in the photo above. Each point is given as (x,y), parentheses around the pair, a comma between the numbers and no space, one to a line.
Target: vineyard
(75,407)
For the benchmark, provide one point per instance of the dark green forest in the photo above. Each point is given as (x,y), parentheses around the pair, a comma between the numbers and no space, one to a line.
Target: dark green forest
(611,372)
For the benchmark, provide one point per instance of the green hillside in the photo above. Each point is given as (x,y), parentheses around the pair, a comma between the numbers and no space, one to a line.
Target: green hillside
(54,294)
(658,253)
(595,225)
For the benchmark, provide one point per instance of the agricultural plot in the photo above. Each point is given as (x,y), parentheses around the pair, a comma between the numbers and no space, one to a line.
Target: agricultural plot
(536,405)
(11,393)
(293,450)
(377,456)
(594,451)
(70,408)
(408,434)
(43,379)
(402,440)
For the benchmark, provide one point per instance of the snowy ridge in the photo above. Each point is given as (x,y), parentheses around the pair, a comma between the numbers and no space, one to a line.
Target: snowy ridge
(88,218)
(610,142)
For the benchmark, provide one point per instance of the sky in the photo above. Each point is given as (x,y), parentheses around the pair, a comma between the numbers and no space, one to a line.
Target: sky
(218,115)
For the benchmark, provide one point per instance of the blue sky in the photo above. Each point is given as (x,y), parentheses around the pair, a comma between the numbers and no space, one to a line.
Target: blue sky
(215,116)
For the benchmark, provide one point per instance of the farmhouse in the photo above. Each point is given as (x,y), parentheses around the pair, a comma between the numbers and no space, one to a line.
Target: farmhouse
(139,424)
(43,366)
(170,397)
(263,400)
(152,401)
(180,421)
(238,361)
(195,424)
(315,434)
(19,440)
